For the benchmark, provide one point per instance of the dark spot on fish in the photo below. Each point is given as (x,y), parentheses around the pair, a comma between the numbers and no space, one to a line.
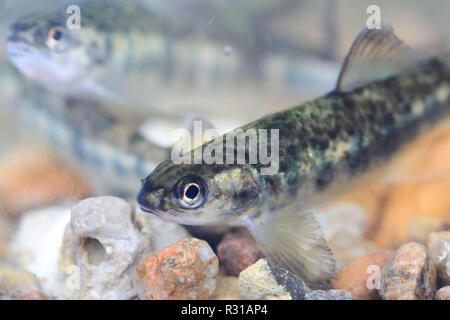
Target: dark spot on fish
(348,102)
(405,107)
(273,183)
(315,118)
(334,131)
(358,160)
(294,183)
(293,180)
(288,127)
(435,66)
(350,130)
(388,120)
(318,142)
(325,176)
(388,143)
(246,194)
(292,152)
(285,165)
(371,111)
(323,144)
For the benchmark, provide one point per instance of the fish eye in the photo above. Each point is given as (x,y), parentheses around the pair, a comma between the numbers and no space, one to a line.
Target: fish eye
(191,193)
(55,36)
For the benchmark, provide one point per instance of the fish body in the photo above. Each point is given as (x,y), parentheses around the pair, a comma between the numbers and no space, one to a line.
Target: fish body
(325,146)
(125,54)
(111,154)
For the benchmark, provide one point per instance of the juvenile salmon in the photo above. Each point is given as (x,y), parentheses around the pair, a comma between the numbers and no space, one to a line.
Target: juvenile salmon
(385,96)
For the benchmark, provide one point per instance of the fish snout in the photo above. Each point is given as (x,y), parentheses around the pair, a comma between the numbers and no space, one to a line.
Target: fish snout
(150,201)
(14,38)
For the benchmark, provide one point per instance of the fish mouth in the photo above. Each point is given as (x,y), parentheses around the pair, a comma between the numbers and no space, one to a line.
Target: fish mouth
(15,38)
(145,210)
(35,63)
(28,59)
(144,204)
(19,47)
(152,213)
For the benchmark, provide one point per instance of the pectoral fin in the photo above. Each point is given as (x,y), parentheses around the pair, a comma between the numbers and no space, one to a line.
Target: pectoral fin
(291,237)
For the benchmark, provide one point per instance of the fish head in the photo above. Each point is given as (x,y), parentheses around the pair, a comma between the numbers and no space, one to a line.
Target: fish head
(199,194)
(44,49)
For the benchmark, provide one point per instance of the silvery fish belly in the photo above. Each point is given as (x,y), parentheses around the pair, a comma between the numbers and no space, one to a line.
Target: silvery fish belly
(126,55)
(386,95)
(108,151)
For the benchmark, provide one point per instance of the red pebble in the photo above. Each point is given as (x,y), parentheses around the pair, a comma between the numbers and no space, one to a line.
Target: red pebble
(237,251)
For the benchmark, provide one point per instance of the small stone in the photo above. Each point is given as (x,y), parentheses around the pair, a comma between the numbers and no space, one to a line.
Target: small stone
(339,218)
(409,275)
(31,178)
(37,242)
(227,288)
(264,280)
(17,284)
(439,245)
(161,234)
(237,251)
(328,295)
(100,250)
(443,293)
(354,277)
(186,270)
(346,247)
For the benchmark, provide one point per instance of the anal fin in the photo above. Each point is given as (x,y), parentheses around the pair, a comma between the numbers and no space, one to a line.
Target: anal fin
(291,237)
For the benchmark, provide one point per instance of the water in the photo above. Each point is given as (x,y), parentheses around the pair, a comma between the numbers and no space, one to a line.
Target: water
(42,164)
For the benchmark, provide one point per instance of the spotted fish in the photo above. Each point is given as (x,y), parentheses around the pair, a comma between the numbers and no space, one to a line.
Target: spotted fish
(386,95)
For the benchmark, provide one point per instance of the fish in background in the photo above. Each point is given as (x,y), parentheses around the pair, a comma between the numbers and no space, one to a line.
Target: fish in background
(385,96)
(127,55)
(108,151)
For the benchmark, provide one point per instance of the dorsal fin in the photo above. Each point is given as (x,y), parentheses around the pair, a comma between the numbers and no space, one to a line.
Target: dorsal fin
(375,55)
